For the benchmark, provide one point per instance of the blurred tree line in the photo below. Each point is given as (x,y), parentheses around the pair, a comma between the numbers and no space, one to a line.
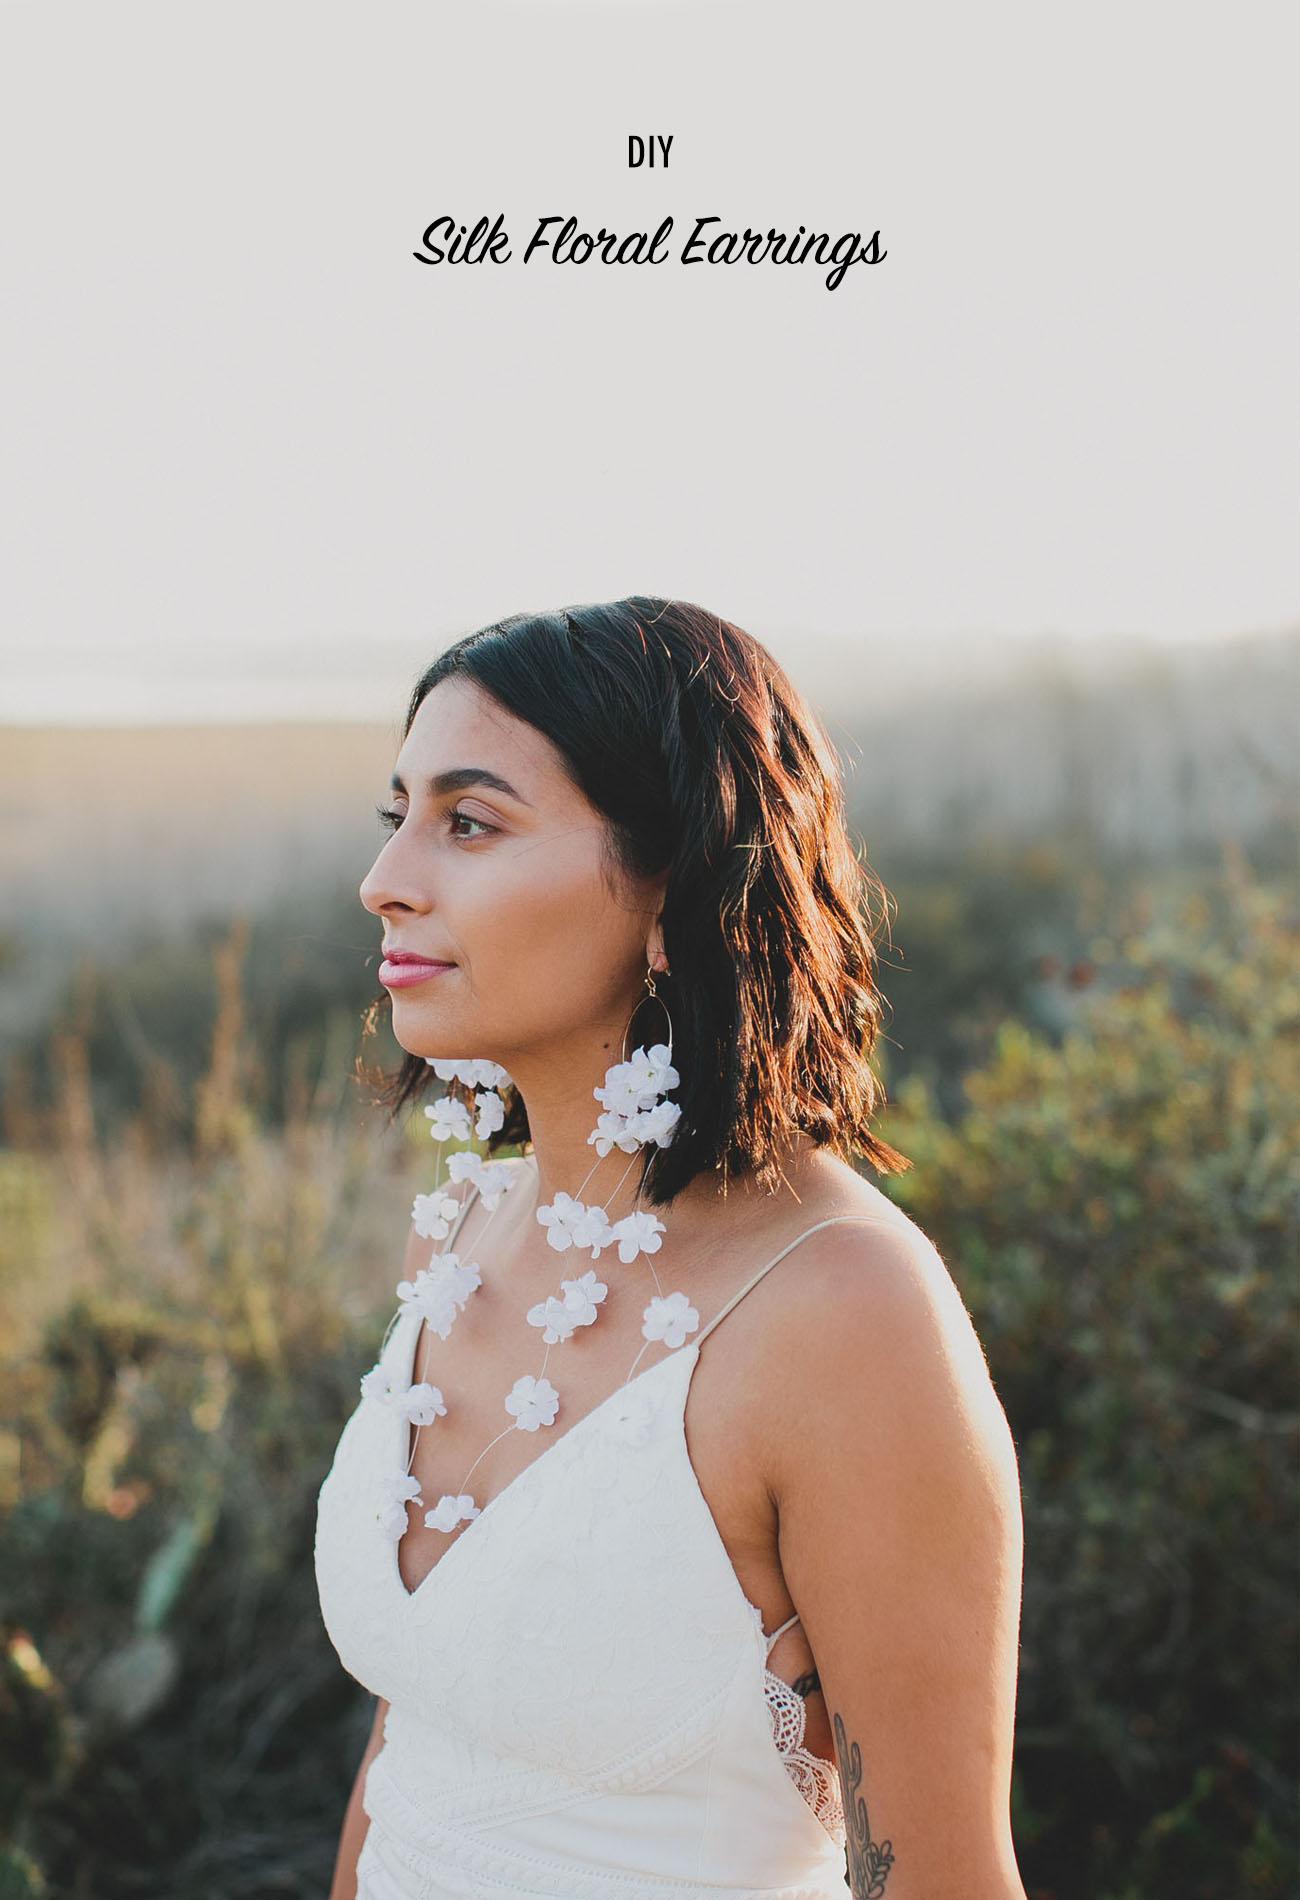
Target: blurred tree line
(1097,1074)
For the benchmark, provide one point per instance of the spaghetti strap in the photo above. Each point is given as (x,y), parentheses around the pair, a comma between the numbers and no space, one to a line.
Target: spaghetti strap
(471,1200)
(870,1219)
(459,1221)
(772,1640)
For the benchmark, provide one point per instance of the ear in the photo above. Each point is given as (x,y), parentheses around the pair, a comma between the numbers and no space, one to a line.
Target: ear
(655,954)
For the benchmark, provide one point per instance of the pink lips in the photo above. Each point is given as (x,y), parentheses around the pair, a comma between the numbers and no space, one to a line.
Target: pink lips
(401,968)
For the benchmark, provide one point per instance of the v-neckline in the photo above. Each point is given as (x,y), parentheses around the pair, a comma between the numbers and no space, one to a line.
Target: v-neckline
(402,1430)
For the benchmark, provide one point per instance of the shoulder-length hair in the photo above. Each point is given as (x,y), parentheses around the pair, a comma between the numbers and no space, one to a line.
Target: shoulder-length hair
(709,766)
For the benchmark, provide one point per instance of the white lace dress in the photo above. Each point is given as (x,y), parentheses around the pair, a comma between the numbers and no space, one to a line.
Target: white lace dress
(580,1707)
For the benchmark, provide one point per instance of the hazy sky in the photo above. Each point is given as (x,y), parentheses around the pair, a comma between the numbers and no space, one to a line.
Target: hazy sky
(258,461)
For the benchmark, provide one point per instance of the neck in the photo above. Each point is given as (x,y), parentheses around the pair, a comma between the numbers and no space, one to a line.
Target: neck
(562,1112)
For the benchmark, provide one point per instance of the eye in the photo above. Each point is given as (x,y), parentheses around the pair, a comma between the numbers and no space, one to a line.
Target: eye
(392,820)
(456,817)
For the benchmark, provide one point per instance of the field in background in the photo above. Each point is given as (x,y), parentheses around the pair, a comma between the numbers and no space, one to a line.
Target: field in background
(114,841)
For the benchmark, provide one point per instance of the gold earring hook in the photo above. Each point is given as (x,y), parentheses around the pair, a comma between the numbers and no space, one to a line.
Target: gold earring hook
(651,992)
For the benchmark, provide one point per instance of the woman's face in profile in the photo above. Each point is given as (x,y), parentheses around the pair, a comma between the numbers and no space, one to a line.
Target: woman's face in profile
(499,872)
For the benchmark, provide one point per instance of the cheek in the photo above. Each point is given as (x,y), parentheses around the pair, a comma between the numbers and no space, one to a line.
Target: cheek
(555,927)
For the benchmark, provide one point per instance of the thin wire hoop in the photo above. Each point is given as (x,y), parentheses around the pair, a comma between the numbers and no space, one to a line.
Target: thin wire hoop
(652,995)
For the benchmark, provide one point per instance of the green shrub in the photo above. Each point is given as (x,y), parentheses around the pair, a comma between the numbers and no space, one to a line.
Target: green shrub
(1122,1212)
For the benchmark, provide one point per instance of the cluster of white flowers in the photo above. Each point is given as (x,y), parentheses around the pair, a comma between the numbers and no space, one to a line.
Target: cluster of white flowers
(491,1178)
(395,1493)
(532,1402)
(638,1232)
(633,1113)
(401,1489)
(630,1132)
(449,1511)
(448,1119)
(572,1223)
(560,1318)
(669,1317)
(640,1081)
(421,1404)
(432,1214)
(440,1290)
(476,1072)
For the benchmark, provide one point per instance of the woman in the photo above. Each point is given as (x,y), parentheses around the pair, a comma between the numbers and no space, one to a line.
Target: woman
(750,1506)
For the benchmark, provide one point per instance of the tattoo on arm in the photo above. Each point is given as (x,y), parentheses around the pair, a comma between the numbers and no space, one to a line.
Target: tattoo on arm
(807,1685)
(869,1864)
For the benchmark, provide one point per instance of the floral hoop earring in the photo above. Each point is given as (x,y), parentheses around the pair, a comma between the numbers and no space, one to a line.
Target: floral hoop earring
(651,996)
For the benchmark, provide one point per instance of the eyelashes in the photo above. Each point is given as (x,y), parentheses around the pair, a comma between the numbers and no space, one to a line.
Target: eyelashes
(391,821)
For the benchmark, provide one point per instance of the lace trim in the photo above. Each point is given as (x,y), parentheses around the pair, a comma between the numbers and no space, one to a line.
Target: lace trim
(815,1779)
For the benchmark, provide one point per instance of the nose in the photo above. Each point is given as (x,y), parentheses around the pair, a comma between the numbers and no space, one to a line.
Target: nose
(389,885)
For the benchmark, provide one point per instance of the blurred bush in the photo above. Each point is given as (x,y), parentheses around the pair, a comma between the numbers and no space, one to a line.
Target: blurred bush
(982,938)
(187,1325)
(1121,1209)
(141,1021)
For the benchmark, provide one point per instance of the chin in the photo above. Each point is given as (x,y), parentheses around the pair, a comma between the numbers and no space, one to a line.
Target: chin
(430,1045)
(418,1038)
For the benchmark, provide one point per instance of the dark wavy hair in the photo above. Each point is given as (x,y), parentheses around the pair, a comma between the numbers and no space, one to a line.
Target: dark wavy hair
(710,766)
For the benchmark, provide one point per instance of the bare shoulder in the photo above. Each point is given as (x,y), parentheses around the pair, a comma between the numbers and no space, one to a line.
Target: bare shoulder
(874,1275)
(875,1340)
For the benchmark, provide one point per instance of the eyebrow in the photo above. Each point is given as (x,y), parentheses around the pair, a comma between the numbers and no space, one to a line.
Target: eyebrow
(461,778)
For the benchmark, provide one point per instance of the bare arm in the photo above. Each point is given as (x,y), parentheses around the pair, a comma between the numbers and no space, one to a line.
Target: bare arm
(355,1823)
(900,1539)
